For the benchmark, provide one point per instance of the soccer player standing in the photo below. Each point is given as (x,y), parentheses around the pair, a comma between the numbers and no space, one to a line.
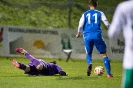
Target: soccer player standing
(90,24)
(123,19)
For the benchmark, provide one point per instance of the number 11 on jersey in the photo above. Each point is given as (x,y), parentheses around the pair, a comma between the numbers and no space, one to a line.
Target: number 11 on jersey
(89,17)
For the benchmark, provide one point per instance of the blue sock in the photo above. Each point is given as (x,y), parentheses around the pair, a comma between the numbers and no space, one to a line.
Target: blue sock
(107,65)
(89,59)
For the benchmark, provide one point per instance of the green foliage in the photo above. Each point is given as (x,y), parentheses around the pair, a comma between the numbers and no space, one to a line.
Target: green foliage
(11,77)
(46,16)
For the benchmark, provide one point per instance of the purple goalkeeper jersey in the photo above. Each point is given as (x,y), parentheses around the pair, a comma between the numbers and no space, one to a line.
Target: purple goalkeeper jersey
(48,68)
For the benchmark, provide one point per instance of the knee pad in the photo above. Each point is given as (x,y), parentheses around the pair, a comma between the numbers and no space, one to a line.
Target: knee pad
(27,69)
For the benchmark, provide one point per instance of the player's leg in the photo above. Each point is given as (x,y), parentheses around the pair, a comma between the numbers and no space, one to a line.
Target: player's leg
(33,60)
(107,65)
(127,80)
(101,47)
(88,44)
(89,62)
(42,65)
(28,69)
(20,66)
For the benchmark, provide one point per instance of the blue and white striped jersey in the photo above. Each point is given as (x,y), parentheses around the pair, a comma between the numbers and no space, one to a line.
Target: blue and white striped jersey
(91,21)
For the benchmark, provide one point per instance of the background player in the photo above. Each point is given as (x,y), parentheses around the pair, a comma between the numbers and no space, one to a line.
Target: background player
(123,19)
(90,23)
(38,66)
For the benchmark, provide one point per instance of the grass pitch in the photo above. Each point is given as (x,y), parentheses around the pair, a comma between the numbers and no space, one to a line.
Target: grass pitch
(11,77)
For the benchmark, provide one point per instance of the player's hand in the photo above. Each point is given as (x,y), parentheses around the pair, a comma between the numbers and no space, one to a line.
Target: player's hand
(78,35)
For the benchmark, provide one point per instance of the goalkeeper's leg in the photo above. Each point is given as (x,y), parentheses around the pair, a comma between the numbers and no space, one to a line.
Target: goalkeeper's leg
(33,60)
(20,66)
(31,70)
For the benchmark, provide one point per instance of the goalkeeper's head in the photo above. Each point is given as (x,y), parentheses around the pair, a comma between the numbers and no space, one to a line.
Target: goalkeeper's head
(93,3)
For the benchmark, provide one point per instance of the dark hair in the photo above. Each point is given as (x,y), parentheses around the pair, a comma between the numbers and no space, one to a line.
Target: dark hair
(93,3)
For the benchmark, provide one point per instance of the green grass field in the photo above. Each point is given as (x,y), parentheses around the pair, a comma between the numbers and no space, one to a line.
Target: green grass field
(11,77)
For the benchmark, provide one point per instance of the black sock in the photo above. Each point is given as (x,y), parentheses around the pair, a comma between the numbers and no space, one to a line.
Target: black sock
(22,66)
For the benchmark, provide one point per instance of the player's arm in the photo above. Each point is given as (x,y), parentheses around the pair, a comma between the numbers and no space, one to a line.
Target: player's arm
(104,19)
(81,25)
(117,23)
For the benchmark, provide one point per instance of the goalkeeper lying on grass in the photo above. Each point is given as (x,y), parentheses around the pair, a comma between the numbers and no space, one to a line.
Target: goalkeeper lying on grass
(38,66)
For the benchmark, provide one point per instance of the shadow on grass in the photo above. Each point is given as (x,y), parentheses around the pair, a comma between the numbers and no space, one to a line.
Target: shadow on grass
(57,77)
(75,78)
(18,76)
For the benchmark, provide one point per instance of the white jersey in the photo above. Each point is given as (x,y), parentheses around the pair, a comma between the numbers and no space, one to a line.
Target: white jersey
(123,19)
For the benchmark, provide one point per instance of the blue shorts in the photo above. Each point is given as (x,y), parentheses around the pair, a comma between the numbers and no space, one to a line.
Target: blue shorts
(94,39)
